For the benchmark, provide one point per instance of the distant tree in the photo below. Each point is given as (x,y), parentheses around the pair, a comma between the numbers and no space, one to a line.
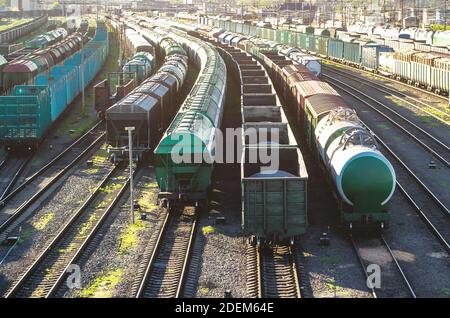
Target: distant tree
(55,5)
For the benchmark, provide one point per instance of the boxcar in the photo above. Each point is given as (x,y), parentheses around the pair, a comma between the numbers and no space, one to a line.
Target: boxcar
(352,52)
(139,110)
(371,54)
(335,49)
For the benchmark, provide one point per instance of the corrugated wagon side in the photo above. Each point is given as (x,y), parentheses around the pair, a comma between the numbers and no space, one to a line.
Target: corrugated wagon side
(275,205)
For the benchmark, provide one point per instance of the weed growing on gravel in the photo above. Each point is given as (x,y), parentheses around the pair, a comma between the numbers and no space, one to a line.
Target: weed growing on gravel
(82,231)
(103,286)
(208,230)
(91,171)
(43,221)
(101,155)
(444,116)
(148,197)
(204,291)
(70,248)
(445,292)
(110,188)
(129,236)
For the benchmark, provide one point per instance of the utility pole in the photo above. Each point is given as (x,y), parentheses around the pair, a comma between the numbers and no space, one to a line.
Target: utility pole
(445,15)
(401,14)
(82,79)
(130,152)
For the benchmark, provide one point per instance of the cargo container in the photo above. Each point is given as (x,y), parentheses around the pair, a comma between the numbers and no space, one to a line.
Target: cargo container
(352,52)
(440,79)
(335,49)
(371,54)
(322,46)
(441,38)
(386,63)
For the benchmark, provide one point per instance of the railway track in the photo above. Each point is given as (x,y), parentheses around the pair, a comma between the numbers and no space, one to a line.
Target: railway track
(439,149)
(84,138)
(272,272)
(413,102)
(49,174)
(382,77)
(47,273)
(392,279)
(425,203)
(166,261)
(12,172)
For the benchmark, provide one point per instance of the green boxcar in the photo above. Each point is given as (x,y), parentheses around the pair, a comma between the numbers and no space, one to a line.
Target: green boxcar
(311,43)
(246,28)
(279,36)
(335,49)
(233,25)
(271,35)
(25,116)
(322,46)
(260,32)
(175,178)
(285,37)
(3,62)
(276,207)
(239,27)
(301,42)
(352,52)
(293,38)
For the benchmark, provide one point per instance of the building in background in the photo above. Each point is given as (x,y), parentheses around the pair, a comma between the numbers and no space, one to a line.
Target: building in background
(28,5)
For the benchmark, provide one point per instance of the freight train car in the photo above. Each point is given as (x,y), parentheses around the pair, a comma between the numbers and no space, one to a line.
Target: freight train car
(28,113)
(193,129)
(10,35)
(356,49)
(24,68)
(274,197)
(46,39)
(363,179)
(149,108)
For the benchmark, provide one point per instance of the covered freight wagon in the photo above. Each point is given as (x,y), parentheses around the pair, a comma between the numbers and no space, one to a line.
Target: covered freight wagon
(352,52)
(139,110)
(335,49)
(42,104)
(371,54)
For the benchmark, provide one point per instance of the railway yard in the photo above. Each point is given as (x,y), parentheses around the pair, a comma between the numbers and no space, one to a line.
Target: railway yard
(357,206)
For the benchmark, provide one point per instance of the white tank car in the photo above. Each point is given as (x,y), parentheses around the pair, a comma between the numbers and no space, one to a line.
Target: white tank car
(364,178)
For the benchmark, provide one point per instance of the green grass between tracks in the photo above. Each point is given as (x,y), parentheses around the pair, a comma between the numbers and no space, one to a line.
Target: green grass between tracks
(9,24)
